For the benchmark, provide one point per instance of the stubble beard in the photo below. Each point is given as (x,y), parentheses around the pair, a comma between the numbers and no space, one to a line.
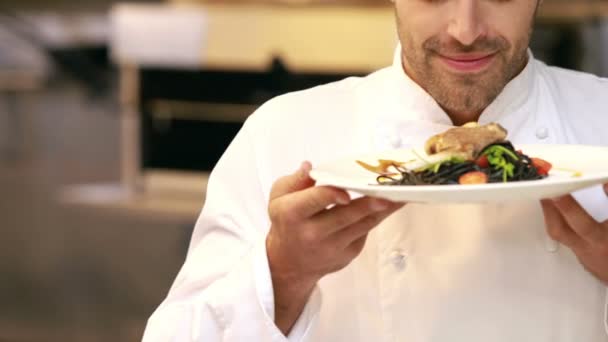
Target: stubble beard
(465,93)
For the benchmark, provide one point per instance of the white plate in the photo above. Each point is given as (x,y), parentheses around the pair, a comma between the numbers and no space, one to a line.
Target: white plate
(591,161)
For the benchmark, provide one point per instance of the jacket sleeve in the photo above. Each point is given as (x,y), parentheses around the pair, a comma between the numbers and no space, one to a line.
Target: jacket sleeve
(606,313)
(595,201)
(224,290)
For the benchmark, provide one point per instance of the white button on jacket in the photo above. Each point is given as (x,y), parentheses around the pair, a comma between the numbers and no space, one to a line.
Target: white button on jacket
(398,258)
(542,133)
(395,141)
(458,272)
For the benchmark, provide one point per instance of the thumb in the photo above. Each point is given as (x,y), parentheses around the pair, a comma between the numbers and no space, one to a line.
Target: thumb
(297,181)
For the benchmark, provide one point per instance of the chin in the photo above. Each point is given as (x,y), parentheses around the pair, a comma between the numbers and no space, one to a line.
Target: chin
(464,100)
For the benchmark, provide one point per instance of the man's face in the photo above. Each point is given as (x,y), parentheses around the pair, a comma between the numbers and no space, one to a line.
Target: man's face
(464,52)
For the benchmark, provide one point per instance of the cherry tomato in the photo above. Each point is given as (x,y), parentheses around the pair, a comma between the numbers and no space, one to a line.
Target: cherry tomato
(482,162)
(542,166)
(473,177)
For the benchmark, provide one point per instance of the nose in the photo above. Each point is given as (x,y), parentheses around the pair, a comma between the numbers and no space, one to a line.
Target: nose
(467,23)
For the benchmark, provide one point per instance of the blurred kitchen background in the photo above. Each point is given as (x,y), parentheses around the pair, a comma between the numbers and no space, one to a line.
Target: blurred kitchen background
(112,115)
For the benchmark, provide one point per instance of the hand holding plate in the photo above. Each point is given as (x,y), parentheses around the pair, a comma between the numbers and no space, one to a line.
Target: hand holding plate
(315,230)
(568,223)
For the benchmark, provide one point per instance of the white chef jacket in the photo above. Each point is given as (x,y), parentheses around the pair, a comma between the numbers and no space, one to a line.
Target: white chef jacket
(450,272)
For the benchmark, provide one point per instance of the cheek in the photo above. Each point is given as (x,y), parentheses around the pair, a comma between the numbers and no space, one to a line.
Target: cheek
(416,25)
(517,34)
(511,24)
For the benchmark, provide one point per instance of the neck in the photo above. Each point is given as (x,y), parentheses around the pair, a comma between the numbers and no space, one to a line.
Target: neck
(458,118)
(461,118)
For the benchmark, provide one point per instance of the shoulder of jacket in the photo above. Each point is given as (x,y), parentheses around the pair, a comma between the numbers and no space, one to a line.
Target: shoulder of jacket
(575,85)
(311,96)
(315,103)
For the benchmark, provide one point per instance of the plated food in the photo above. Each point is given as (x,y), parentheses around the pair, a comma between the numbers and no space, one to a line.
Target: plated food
(576,167)
(470,154)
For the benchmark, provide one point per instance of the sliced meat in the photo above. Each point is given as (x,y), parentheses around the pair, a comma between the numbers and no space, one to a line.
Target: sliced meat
(469,139)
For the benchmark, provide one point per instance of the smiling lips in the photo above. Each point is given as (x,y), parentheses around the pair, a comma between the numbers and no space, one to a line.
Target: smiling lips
(471,63)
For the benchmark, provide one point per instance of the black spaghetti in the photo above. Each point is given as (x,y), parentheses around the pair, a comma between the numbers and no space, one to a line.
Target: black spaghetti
(496,163)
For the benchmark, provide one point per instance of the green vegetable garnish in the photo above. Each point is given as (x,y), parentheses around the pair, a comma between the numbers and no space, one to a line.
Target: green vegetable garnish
(496,158)
(436,166)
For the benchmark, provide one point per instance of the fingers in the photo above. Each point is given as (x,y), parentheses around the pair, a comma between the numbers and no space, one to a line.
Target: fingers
(339,217)
(557,227)
(606,189)
(306,203)
(346,237)
(297,181)
(579,220)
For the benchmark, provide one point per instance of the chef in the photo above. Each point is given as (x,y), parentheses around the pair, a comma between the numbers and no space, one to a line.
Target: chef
(276,257)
